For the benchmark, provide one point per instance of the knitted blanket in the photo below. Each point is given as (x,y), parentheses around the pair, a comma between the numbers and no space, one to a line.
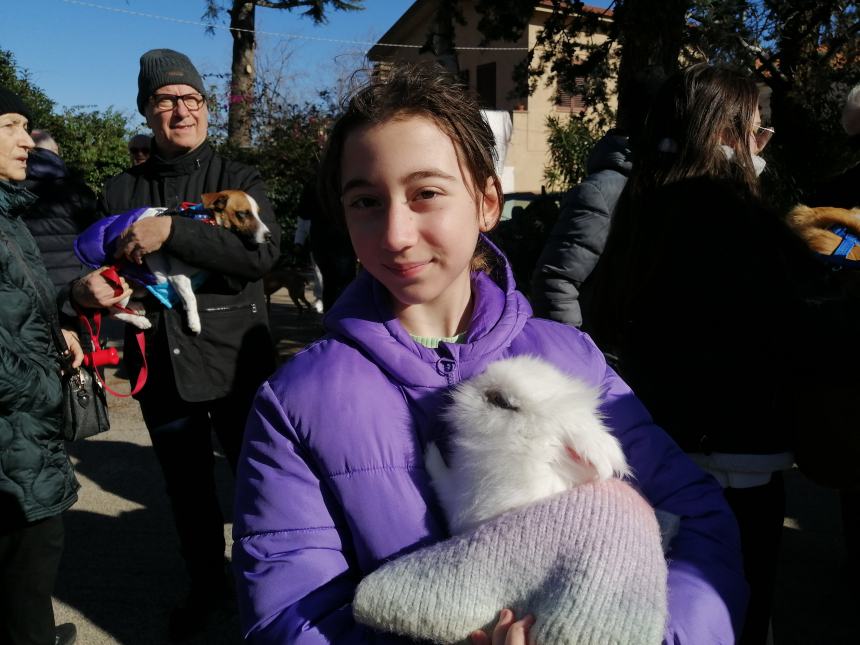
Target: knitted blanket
(587,563)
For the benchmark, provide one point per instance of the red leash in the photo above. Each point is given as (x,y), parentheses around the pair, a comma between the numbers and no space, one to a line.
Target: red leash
(109,356)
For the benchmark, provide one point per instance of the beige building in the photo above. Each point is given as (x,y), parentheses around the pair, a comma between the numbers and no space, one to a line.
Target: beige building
(489,71)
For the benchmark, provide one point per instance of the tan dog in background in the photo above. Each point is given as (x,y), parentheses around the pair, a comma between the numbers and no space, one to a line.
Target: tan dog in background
(813,226)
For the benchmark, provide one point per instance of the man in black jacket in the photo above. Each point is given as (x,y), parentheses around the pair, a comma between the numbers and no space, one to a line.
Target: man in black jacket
(197,382)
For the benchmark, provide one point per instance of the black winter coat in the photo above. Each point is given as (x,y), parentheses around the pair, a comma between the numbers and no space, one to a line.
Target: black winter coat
(64,207)
(715,330)
(234,349)
(36,478)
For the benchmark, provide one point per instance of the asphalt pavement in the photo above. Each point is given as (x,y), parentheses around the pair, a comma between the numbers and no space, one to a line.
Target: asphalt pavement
(121,572)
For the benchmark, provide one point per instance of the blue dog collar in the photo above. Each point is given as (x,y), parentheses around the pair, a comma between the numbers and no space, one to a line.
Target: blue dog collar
(839,257)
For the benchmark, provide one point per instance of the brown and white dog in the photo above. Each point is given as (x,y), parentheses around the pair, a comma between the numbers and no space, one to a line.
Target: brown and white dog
(234,210)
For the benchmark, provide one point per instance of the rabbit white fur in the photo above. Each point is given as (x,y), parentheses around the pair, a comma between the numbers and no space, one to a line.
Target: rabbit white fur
(520,432)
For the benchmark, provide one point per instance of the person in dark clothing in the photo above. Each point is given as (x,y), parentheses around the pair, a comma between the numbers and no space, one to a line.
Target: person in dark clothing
(694,294)
(64,207)
(37,482)
(198,383)
(843,190)
(139,147)
(576,241)
(579,235)
(329,246)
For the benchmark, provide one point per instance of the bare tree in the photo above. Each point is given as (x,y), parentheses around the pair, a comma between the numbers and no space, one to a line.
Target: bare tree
(243,71)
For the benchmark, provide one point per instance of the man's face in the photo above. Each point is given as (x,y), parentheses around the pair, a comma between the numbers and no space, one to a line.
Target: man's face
(138,149)
(178,129)
(15,145)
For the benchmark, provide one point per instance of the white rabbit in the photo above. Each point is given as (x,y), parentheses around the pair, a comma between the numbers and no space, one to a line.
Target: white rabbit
(520,432)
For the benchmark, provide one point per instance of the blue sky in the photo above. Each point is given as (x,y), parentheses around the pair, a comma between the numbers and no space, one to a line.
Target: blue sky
(86,52)
(83,55)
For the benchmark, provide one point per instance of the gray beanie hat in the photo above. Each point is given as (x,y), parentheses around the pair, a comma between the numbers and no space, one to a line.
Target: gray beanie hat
(160,67)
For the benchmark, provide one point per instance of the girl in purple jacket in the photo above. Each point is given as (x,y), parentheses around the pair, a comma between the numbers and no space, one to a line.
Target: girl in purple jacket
(331,482)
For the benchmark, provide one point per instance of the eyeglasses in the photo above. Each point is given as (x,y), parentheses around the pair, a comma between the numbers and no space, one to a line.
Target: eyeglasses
(135,151)
(762,136)
(166,102)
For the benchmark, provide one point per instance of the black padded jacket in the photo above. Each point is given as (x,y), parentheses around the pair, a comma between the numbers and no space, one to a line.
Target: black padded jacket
(234,348)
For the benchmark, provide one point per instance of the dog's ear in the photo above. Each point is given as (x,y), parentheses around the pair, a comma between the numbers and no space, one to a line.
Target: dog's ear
(215,201)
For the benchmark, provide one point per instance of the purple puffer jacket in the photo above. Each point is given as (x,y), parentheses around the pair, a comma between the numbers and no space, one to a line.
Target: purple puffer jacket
(331,482)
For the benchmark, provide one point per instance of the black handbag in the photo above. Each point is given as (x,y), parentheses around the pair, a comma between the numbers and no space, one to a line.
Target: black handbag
(85,410)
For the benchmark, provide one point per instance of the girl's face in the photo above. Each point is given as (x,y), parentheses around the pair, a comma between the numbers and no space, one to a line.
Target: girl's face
(414,216)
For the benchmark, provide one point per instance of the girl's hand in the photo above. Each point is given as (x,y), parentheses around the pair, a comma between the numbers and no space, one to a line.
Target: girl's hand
(507,631)
(74,346)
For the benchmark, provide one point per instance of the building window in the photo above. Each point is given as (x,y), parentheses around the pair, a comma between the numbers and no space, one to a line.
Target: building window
(572,102)
(485,84)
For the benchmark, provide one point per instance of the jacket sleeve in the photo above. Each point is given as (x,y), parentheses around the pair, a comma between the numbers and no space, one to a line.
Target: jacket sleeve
(707,590)
(220,251)
(571,253)
(290,552)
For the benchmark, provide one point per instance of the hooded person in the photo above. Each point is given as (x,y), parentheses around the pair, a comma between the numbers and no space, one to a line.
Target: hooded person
(64,207)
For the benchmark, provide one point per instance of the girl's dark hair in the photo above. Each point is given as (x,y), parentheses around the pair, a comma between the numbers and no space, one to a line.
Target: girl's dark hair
(695,111)
(424,90)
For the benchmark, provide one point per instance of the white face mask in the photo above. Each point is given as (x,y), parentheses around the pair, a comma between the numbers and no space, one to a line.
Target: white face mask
(758,162)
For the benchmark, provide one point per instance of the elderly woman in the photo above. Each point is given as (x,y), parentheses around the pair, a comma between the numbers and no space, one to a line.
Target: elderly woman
(37,482)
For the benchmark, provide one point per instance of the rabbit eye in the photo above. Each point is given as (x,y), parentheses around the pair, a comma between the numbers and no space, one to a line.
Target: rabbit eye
(496,398)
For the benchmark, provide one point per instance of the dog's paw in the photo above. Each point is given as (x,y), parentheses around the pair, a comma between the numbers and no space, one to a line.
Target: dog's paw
(194,324)
(139,321)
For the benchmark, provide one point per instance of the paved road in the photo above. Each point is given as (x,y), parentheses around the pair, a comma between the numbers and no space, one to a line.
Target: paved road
(121,572)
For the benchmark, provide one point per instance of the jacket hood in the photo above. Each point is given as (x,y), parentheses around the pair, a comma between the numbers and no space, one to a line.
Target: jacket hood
(611,152)
(499,314)
(45,164)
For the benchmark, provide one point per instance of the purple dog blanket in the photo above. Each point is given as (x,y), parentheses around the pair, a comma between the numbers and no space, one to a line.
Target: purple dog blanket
(96,247)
